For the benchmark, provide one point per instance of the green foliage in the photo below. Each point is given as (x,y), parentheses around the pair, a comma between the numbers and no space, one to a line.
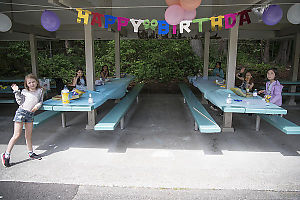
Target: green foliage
(149,60)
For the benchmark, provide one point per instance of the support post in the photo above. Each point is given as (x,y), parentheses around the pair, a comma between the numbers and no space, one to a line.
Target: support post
(90,69)
(230,71)
(33,53)
(117,54)
(295,67)
(206,54)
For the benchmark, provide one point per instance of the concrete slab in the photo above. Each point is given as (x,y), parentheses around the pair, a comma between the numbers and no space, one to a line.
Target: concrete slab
(159,149)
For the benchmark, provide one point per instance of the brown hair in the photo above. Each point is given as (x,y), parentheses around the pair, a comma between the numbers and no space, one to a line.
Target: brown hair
(32,76)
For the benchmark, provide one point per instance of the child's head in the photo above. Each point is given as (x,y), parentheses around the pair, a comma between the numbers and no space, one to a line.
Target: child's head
(31,82)
(218,65)
(105,68)
(248,75)
(79,72)
(271,74)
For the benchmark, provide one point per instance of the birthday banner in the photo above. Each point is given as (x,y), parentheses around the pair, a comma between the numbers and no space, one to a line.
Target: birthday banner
(162,25)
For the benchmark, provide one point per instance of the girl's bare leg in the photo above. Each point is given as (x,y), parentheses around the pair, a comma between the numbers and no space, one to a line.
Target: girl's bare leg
(18,126)
(28,135)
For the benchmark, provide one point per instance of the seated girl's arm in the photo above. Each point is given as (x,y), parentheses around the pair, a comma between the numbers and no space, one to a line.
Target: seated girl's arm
(74,81)
(221,73)
(277,93)
(251,86)
(238,75)
(102,75)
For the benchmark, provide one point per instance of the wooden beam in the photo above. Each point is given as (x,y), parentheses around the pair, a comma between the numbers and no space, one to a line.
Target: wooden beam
(290,30)
(30,29)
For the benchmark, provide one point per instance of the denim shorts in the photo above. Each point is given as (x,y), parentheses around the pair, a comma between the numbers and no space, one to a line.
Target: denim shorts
(23,116)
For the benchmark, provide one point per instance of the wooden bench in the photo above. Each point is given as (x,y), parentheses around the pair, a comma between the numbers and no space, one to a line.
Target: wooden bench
(112,119)
(290,93)
(203,121)
(279,122)
(7,101)
(42,117)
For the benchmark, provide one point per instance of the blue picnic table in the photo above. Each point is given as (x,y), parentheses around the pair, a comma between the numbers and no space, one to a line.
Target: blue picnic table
(114,89)
(218,95)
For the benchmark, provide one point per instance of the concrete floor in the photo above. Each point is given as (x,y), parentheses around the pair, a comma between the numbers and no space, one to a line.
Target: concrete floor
(158,149)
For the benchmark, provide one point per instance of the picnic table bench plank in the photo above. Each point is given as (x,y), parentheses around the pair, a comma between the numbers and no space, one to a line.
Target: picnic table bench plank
(203,119)
(281,123)
(112,119)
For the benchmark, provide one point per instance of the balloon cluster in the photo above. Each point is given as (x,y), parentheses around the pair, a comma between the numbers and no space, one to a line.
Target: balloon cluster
(179,10)
(273,14)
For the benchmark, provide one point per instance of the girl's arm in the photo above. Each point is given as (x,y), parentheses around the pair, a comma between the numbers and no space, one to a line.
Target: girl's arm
(239,77)
(40,103)
(102,75)
(20,97)
(277,93)
(74,81)
(251,86)
(221,73)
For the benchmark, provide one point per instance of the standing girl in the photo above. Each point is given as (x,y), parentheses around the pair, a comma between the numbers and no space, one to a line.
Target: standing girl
(30,100)
(273,88)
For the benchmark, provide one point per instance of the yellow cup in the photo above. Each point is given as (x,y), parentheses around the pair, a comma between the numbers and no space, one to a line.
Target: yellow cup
(65,98)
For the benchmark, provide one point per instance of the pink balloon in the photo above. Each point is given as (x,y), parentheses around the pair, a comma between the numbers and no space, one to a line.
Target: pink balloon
(174,14)
(172,2)
(189,14)
(190,4)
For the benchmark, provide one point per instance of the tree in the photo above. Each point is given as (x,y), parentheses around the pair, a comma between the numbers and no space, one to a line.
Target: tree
(197,47)
(266,58)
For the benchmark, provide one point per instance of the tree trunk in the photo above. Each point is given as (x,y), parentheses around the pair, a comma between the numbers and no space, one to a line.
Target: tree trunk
(281,56)
(266,58)
(284,51)
(222,47)
(225,50)
(288,52)
(261,50)
(197,47)
(67,45)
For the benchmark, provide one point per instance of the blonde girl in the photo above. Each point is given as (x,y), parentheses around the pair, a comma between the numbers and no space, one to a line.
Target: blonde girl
(29,100)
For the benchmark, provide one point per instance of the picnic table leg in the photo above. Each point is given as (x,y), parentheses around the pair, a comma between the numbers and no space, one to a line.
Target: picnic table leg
(196,126)
(292,101)
(91,120)
(203,100)
(257,123)
(227,122)
(63,119)
(122,123)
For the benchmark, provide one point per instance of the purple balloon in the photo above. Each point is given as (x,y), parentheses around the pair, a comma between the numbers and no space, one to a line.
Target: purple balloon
(272,15)
(50,21)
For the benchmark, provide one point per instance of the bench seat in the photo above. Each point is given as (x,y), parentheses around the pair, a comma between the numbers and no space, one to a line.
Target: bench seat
(281,123)
(290,94)
(112,119)
(7,101)
(205,122)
